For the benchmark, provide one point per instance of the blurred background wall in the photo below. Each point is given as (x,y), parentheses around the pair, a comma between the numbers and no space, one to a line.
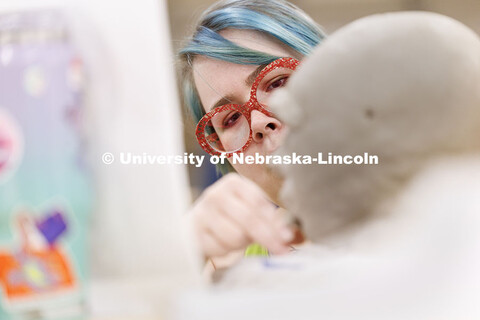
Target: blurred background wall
(330,14)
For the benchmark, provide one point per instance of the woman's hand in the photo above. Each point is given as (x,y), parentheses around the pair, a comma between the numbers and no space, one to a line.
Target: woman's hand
(233,213)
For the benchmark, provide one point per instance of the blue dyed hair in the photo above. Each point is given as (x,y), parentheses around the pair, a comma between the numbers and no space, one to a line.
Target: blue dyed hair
(276,18)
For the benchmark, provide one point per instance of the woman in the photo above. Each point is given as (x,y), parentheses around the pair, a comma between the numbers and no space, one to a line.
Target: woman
(231,65)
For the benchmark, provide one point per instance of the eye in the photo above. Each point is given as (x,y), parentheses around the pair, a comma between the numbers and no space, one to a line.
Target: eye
(231,119)
(277,84)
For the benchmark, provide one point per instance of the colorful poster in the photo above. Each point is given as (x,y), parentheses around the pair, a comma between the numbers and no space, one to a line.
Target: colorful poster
(44,182)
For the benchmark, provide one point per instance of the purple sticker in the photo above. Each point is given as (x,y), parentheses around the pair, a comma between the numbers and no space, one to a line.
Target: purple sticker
(52,226)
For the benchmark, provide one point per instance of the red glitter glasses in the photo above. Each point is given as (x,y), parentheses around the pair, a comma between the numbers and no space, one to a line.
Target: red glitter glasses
(227,129)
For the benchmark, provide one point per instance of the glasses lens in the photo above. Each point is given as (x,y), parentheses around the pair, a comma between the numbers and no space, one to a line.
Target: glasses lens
(273,80)
(227,131)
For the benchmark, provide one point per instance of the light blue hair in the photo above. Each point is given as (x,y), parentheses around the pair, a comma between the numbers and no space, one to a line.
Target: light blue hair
(277,18)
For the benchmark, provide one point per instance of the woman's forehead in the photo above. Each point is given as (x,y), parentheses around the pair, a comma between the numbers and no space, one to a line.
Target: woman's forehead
(215,79)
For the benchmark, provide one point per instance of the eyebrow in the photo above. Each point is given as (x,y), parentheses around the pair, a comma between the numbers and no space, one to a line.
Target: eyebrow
(223,101)
(251,78)
(248,81)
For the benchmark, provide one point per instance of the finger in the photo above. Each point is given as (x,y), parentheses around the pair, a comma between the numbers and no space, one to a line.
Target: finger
(227,231)
(252,194)
(259,230)
(211,246)
(268,212)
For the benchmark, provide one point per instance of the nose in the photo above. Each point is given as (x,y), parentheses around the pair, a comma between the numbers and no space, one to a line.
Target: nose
(263,125)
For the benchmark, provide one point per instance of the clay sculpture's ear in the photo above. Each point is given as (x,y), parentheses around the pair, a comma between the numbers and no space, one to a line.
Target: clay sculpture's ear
(402,86)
